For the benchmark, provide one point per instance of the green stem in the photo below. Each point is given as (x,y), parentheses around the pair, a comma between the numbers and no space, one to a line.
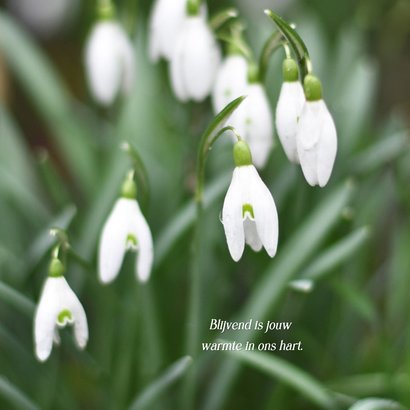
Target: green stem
(220,19)
(271,45)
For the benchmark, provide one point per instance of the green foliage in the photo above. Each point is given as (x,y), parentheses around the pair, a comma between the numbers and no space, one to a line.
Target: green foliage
(345,246)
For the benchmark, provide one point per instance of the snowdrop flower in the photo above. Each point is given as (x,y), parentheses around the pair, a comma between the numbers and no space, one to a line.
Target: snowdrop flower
(316,137)
(195,60)
(289,108)
(109,61)
(125,228)
(166,19)
(253,121)
(231,81)
(249,212)
(58,307)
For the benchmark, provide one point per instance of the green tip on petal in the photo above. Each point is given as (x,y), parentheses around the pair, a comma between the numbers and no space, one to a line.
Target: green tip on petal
(129,189)
(242,154)
(247,209)
(56,268)
(313,88)
(290,70)
(64,317)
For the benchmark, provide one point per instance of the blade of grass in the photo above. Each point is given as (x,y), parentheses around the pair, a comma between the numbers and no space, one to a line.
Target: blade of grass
(15,396)
(154,391)
(17,300)
(287,373)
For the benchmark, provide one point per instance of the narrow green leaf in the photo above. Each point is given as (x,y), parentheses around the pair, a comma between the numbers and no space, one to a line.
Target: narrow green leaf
(295,42)
(271,45)
(17,300)
(16,397)
(221,18)
(376,404)
(274,282)
(43,242)
(288,373)
(336,254)
(48,94)
(154,391)
(387,149)
(184,219)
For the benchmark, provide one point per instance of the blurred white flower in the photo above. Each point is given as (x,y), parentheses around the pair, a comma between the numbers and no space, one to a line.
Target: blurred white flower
(231,81)
(253,121)
(316,138)
(289,108)
(45,17)
(125,228)
(166,19)
(109,60)
(58,307)
(249,212)
(195,60)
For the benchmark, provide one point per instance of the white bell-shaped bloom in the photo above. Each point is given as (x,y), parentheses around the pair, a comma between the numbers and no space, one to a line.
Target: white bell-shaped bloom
(166,19)
(109,60)
(231,81)
(288,110)
(195,60)
(316,142)
(125,228)
(58,307)
(253,121)
(249,211)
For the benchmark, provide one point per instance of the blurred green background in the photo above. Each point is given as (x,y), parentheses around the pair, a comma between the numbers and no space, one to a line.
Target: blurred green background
(60,166)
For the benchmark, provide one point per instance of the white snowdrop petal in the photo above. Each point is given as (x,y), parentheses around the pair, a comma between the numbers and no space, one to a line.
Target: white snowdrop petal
(195,60)
(80,323)
(44,325)
(230,82)
(50,305)
(327,148)
(232,218)
(176,69)
(251,235)
(266,216)
(201,58)
(109,61)
(165,21)
(288,110)
(113,240)
(309,125)
(145,247)
(253,121)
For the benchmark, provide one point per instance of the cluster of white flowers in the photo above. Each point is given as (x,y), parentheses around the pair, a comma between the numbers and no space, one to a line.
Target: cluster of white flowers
(305,127)
(179,32)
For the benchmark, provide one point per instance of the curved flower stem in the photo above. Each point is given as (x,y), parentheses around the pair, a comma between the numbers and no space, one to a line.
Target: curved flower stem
(219,20)
(271,45)
(141,173)
(209,137)
(64,248)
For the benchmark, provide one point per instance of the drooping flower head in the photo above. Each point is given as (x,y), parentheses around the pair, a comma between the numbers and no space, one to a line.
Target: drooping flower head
(316,137)
(58,306)
(125,229)
(249,212)
(166,19)
(253,120)
(289,108)
(195,58)
(231,81)
(109,61)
